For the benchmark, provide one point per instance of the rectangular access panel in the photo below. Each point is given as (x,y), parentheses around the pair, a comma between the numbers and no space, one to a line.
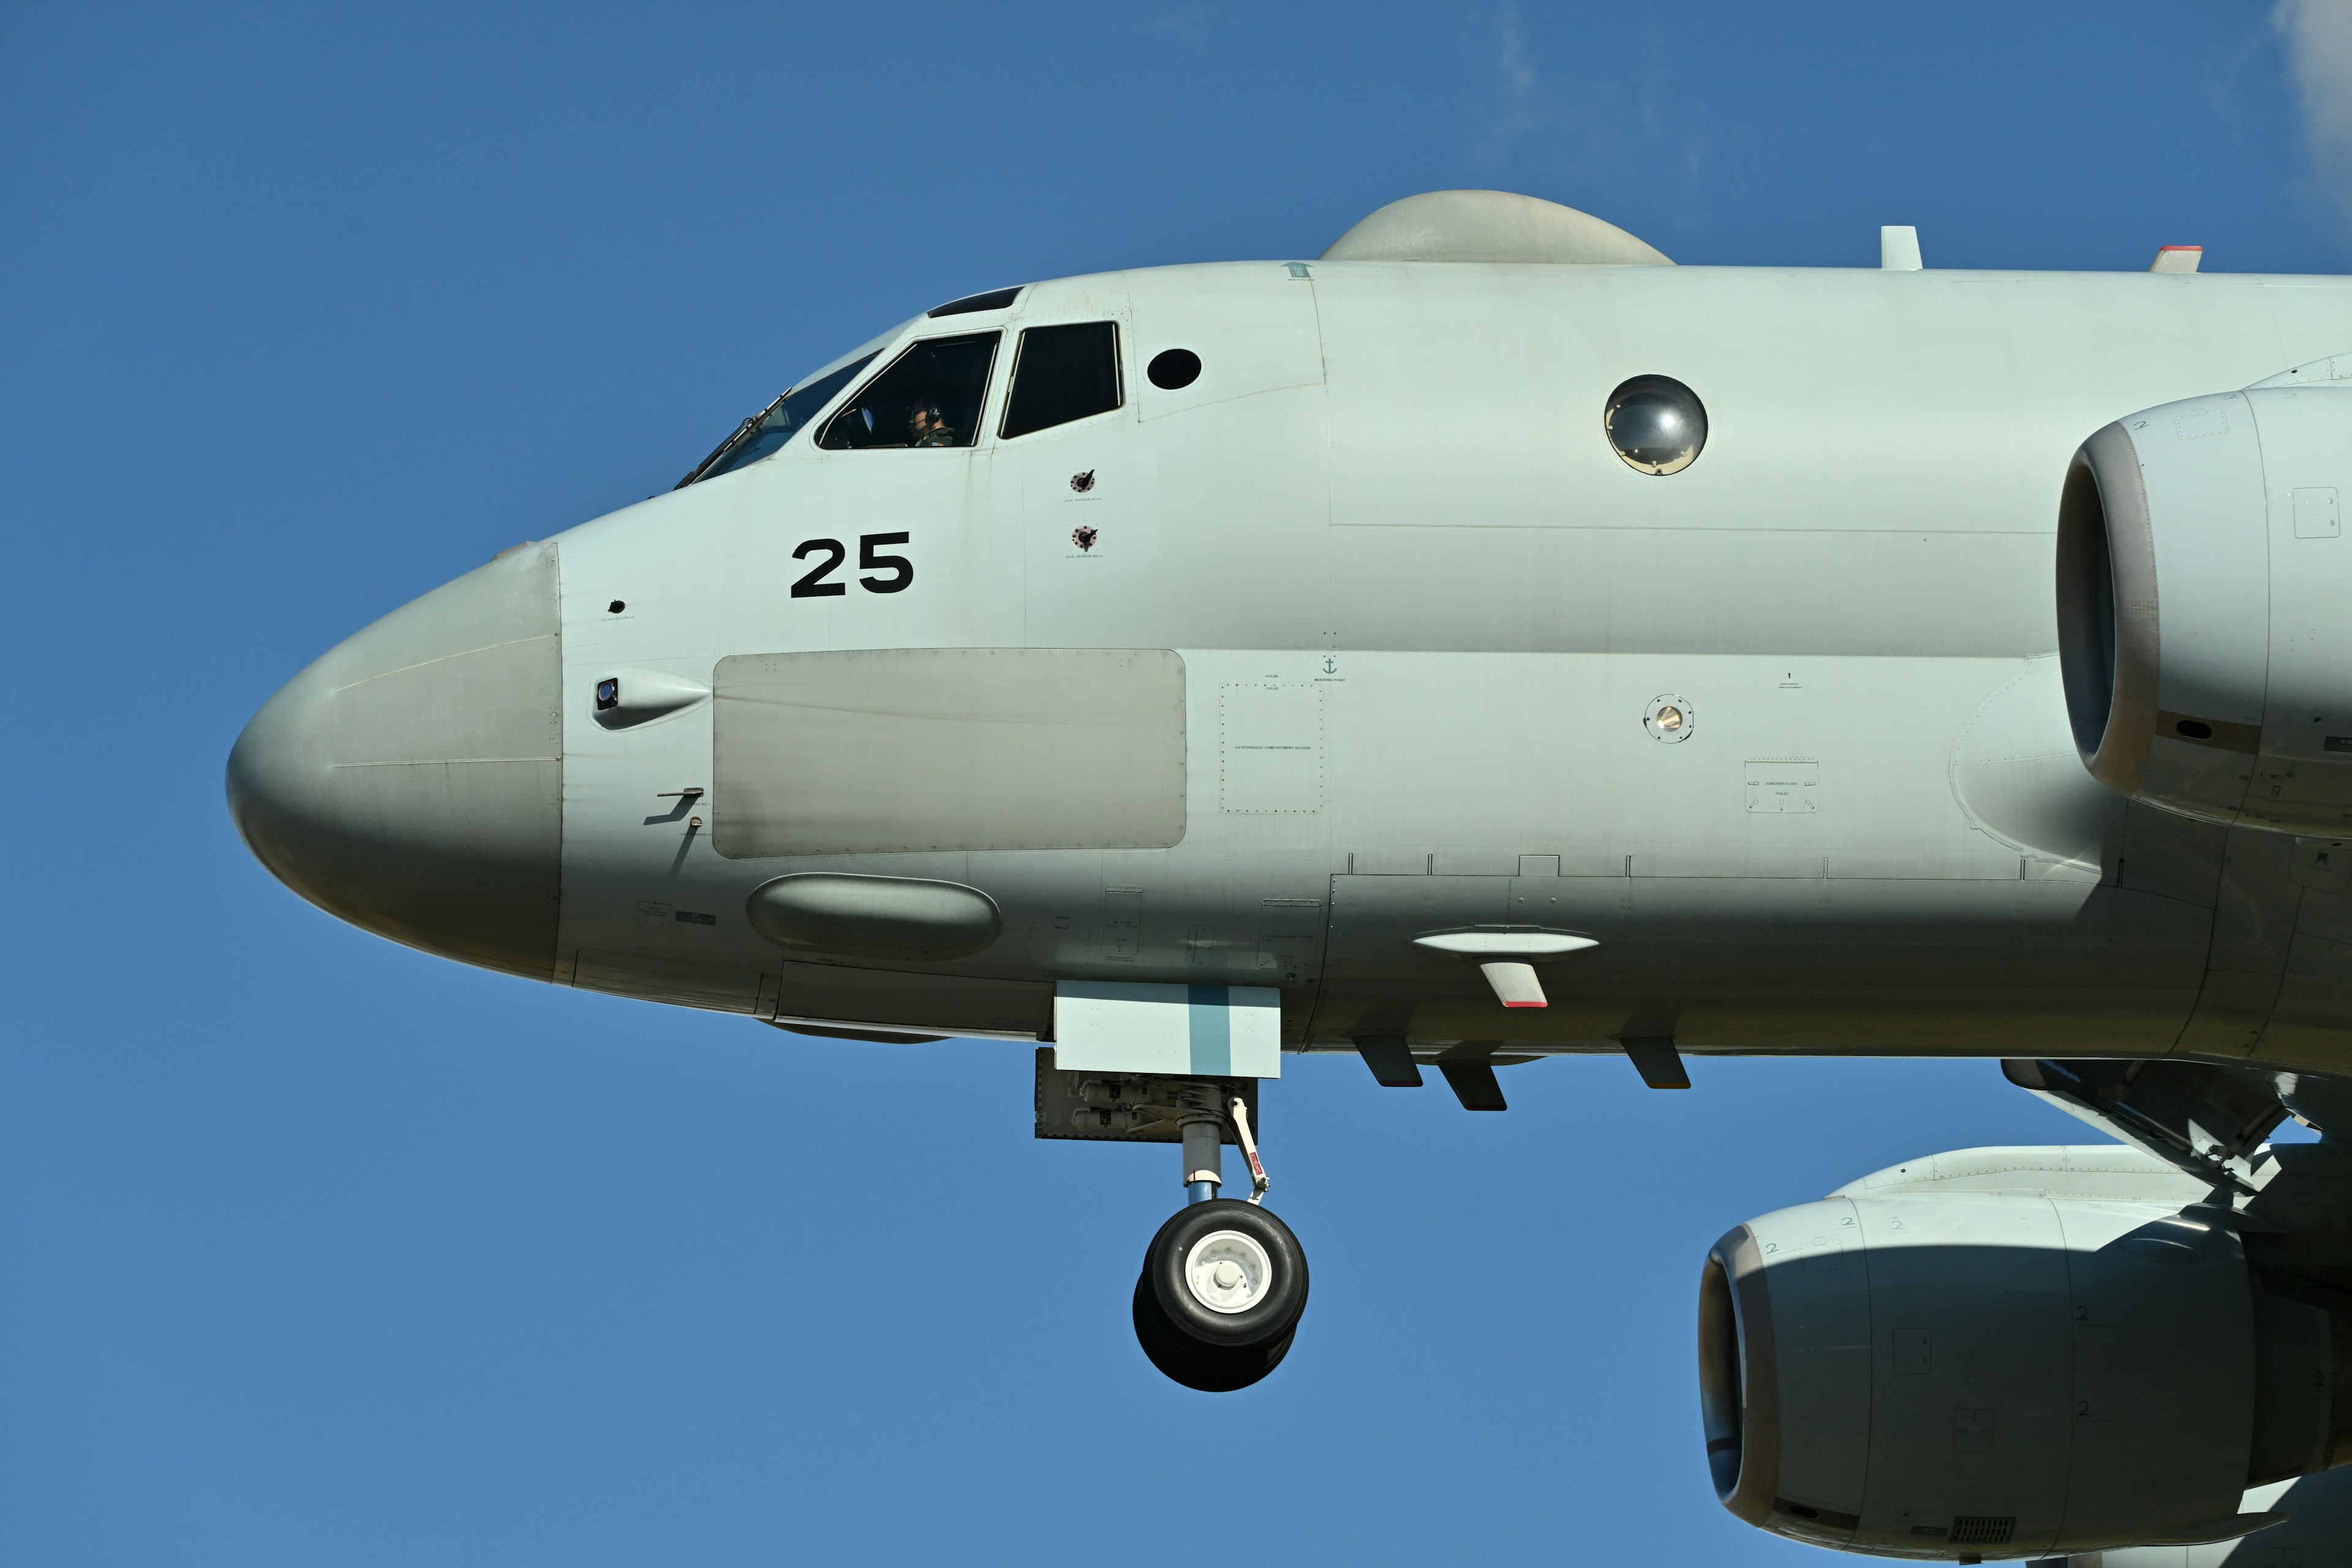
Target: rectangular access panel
(890,750)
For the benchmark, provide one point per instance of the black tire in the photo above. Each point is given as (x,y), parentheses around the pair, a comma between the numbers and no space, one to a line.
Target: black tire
(1210,1369)
(1270,1317)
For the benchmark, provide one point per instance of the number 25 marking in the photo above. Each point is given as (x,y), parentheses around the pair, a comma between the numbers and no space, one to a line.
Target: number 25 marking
(813,583)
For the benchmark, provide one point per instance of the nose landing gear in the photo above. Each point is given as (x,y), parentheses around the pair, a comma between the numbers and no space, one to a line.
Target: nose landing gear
(1224,1282)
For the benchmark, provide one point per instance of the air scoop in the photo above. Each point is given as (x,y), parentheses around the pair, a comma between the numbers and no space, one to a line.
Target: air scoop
(873,917)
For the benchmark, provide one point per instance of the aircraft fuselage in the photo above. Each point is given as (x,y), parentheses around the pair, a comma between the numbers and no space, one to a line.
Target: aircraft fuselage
(1412,623)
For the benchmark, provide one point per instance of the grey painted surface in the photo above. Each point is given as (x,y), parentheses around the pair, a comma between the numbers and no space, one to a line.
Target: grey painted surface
(957,749)
(2318,1533)
(411,780)
(2230,646)
(882,917)
(1978,1341)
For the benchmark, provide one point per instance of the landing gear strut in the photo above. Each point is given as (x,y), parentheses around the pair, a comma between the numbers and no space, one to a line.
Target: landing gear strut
(1224,1283)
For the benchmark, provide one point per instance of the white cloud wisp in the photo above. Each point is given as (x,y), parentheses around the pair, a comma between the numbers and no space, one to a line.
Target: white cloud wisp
(2318,35)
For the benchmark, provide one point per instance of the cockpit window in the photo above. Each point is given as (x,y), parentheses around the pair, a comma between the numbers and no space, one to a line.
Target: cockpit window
(994,299)
(773,426)
(1061,374)
(931,396)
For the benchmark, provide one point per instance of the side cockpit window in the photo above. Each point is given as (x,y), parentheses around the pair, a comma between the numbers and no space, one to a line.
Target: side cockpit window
(931,396)
(1063,373)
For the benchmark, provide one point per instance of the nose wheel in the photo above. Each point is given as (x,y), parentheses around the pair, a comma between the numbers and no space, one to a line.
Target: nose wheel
(1222,1287)
(1224,1281)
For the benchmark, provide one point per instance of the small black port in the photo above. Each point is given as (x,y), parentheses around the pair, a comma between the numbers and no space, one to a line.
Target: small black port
(2195,729)
(616,607)
(1172,369)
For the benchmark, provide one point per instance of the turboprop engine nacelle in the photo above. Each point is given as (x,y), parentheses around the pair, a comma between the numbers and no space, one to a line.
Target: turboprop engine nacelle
(2069,1357)
(2205,604)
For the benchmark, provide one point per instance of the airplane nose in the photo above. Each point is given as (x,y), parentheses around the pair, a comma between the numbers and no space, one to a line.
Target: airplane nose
(412,779)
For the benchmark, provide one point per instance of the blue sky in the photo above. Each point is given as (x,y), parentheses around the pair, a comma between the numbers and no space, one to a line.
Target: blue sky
(313,1249)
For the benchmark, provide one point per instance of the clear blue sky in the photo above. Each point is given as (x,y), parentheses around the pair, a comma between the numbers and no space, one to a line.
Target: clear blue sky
(315,1250)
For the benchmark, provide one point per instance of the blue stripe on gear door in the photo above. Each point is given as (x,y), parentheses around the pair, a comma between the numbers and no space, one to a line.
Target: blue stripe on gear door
(1211,1026)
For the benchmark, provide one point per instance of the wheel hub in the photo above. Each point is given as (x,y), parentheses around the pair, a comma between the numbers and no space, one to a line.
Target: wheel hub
(1228,1273)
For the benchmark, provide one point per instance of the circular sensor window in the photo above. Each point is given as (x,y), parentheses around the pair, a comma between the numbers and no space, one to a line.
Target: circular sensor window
(1656,424)
(1668,718)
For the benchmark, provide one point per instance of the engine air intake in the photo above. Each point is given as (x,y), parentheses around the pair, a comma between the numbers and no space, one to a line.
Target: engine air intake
(2050,1351)
(2202,578)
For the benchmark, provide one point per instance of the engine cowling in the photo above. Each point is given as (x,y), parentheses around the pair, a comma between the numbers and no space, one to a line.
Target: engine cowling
(2205,606)
(2068,1360)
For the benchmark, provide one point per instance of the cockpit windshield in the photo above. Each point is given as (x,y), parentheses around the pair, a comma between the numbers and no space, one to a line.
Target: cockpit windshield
(773,426)
(931,396)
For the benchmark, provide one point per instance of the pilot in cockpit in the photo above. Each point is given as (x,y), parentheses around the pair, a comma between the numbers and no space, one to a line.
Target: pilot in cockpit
(926,427)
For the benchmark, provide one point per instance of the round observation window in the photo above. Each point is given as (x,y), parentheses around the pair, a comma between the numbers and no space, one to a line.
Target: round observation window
(1656,424)
(1171,370)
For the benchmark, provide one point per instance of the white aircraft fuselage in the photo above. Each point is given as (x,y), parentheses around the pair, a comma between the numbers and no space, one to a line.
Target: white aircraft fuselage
(1422,610)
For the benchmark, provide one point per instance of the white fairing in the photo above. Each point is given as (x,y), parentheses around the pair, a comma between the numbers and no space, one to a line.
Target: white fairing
(2044,1360)
(2204,579)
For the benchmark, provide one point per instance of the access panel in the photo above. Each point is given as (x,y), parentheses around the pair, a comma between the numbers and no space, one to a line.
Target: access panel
(881,751)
